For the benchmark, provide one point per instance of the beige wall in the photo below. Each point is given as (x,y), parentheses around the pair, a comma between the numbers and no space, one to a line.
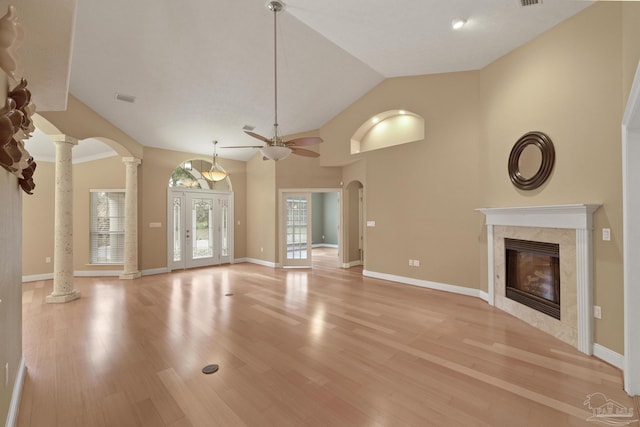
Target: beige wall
(109,173)
(261,208)
(567,83)
(10,290)
(37,233)
(422,195)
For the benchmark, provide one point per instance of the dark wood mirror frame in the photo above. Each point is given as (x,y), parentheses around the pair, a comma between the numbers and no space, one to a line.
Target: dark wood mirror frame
(543,142)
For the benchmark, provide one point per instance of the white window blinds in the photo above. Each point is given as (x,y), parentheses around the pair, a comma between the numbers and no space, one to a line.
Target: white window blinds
(107,226)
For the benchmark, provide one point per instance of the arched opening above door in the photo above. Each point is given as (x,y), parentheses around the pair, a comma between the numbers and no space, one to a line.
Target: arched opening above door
(188,174)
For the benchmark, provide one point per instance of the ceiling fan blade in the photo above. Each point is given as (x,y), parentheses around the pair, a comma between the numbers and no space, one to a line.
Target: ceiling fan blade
(303,152)
(260,137)
(312,140)
(243,146)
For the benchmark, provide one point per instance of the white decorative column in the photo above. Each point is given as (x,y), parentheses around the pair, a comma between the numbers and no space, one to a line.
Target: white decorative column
(63,290)
(131,219)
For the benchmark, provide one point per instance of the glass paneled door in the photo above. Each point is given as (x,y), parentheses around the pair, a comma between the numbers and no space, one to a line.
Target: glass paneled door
(296,230)
(200,231)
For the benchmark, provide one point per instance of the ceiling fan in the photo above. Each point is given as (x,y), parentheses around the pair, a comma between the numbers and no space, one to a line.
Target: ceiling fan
(277,148)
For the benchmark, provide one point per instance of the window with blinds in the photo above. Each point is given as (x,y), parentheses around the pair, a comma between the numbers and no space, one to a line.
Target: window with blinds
(107,226)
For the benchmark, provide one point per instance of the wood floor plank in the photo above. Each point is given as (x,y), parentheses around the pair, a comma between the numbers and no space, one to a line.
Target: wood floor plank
(315,347)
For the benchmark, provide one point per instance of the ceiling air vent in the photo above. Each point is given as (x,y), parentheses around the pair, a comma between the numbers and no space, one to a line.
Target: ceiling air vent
(248,127)
(530,2)
(125,98)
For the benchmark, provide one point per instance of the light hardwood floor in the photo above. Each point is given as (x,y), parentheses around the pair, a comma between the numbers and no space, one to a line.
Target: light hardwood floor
(321,347)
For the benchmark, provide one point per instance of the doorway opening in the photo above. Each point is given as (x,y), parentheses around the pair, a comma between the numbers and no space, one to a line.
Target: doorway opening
(200,218)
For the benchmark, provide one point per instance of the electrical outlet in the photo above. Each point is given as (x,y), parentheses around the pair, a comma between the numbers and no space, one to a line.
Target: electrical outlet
(597,312)
(606,234)
(416,263)
(261,249)
(47,260)
(410,263)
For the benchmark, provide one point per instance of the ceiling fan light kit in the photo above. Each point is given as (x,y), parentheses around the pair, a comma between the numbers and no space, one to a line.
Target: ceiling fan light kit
(276,148)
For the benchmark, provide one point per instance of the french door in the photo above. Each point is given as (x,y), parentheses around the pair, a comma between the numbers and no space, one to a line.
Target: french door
(296,230)
(200,231)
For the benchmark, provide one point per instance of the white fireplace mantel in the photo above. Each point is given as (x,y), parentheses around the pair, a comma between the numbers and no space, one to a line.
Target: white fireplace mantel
(578,217)
(553,216)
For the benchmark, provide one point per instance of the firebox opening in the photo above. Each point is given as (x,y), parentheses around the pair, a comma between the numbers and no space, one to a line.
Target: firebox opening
(533,275)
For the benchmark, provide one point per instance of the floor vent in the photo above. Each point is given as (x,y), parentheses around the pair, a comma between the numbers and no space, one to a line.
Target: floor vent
(530,2)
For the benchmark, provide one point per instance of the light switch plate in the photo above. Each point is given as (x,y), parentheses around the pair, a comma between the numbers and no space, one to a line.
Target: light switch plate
(371,223)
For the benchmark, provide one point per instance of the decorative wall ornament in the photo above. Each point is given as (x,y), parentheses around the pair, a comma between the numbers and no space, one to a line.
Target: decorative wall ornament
(531,160)
(15,126)
(15,115)
(11,36)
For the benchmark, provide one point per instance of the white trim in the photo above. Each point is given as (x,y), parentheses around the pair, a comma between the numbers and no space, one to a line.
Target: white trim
(37,277)
(490,267)
(461,290)
(262,262)
(609,356)
(14,406)
(98,273)
(324,245)
(153,271)
(552,216)
(351,264)
(239,260)
(631,236)
(578,217)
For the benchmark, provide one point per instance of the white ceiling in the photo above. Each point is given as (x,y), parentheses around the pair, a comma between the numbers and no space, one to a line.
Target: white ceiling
(201,70)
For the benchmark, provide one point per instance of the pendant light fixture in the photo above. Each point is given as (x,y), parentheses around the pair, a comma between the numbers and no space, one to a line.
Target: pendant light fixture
(216,173)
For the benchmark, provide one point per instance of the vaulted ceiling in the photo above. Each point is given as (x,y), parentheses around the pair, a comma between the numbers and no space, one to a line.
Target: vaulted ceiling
(201,70)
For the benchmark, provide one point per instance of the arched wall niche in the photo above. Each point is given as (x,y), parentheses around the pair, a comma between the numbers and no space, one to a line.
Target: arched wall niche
(388,129)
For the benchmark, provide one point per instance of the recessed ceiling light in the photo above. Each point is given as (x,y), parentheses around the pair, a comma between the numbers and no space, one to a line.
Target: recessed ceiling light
(456,24)
(402,112)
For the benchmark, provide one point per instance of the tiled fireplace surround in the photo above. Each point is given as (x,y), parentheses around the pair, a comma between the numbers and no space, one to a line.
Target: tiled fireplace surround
(571,227)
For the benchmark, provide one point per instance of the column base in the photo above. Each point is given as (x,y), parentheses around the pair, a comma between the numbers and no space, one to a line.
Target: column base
(131,276)
(60,299)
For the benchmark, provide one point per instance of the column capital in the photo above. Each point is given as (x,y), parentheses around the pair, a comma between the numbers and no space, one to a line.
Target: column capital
(64,138)
(133,160)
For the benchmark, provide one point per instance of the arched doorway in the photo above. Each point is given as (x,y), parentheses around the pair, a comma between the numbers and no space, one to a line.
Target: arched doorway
(354,248)
(200,218)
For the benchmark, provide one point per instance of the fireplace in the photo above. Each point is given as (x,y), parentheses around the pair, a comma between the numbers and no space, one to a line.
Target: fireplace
(533,275)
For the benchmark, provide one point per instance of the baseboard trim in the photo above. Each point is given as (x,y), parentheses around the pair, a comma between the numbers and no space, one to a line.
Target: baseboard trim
(351,264)
(14,406)
(324,245)
(461,290)
(262,262)
(608,355)
(37,277)
(152,271)
(97,273)
(239,260)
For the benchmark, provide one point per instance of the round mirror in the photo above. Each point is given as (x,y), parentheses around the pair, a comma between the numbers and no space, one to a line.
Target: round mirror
(531,160)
